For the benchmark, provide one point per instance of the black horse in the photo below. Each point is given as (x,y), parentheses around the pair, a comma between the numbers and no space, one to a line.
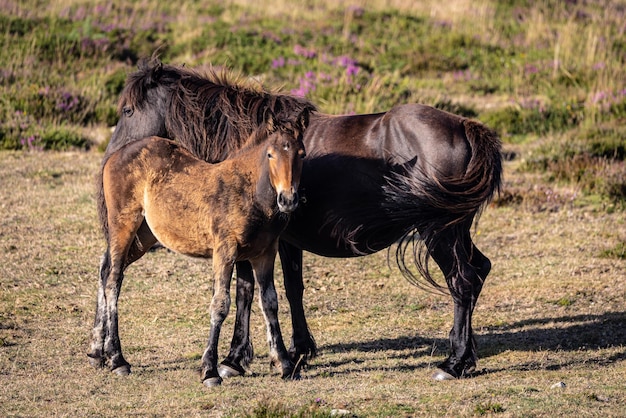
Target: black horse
(415,175)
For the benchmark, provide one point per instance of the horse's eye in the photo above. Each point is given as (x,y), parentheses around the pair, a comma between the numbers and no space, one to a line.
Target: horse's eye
(128,111)
(269,155)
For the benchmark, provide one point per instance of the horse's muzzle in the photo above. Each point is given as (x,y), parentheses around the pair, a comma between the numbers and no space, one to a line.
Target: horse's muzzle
(287,202)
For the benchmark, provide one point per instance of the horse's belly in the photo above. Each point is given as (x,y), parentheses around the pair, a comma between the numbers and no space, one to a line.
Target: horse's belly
(181,238)
(343,213)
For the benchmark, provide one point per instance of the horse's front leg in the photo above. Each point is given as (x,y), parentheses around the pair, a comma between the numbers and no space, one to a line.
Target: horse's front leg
(241,351)
(264,274)
(303,345)
(223,261)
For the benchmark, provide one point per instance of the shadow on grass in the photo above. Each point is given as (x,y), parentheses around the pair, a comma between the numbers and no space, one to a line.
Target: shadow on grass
(570,333)
(566,333)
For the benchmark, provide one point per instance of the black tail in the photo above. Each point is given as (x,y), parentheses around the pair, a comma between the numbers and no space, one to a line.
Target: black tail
(432,206)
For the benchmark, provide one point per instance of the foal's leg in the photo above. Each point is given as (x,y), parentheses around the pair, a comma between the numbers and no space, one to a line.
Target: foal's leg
(302,343)
(241,351)
(223,261)
(264,273)
(96,351)
(105,343)
(465,275)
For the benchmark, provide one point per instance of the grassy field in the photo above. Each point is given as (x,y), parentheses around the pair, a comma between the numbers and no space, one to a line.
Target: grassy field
(548,75)
(551,311)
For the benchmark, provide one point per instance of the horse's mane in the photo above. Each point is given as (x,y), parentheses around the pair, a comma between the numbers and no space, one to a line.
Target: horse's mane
(213,114)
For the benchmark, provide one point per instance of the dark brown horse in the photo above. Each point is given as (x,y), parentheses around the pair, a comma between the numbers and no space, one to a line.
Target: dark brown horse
(415,175)
(231,211)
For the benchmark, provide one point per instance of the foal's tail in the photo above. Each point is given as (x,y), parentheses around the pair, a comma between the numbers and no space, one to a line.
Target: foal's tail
(431,206)
(101,204)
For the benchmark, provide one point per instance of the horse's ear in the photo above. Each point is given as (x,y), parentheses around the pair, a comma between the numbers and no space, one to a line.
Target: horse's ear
(153,72)
(303,120)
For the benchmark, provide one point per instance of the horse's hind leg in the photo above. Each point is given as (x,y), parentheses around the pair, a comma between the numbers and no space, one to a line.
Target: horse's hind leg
(126,246)
(241,351)
(144,239)
(96,352)
(465,269)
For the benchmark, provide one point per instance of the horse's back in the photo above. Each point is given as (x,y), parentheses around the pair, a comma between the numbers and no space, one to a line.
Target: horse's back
(431,137)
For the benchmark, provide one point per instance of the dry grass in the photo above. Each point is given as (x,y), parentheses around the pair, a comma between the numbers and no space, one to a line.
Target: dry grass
(551,311)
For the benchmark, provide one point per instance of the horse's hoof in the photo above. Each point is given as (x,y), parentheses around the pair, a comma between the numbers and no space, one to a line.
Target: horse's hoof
(123,370)
(211,382)
(96,362)
(293,376)
(442,375)
(226,371)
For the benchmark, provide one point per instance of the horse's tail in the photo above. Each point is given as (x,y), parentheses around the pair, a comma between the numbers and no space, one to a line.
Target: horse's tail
(432,206)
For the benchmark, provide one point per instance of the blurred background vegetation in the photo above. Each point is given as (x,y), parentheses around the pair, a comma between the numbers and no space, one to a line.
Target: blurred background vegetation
(548,75)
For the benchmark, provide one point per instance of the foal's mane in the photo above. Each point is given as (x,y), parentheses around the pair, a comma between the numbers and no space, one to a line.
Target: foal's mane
(213,114)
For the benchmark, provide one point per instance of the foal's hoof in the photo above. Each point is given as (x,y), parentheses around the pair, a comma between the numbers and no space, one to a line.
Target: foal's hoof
(123,370)
(442,375)
(211,382)
(227,370)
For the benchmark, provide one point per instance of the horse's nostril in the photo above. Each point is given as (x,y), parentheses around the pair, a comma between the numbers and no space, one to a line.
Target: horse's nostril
(287,203)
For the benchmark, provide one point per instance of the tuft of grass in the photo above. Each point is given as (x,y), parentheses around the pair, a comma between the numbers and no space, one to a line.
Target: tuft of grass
(618,252)
(274,409)
(565,301)
(488,408)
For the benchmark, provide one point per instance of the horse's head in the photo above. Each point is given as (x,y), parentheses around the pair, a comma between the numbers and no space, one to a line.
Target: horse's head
(285,152)
(143,103)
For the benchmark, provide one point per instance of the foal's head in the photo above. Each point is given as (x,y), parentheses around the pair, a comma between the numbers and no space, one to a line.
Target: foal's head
(284,154)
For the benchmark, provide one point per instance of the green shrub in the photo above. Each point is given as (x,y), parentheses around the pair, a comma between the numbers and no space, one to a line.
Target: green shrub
(535,120)
(61,138)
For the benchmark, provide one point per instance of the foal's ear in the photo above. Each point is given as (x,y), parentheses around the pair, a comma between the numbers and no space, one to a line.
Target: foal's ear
(270,121)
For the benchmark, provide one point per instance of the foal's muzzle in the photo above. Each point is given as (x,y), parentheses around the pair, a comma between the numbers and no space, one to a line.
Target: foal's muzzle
(287,201)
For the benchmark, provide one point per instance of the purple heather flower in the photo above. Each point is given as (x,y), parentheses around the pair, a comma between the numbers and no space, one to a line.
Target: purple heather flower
(302,51)
(278,62)
(352,70)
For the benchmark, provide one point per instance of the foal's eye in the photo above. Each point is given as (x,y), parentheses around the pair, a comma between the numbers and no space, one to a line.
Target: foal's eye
(128,111)
(269,155)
